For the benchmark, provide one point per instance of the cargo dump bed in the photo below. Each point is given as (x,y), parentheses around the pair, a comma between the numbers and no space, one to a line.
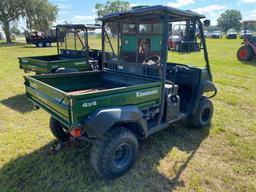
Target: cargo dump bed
(70,98)
(50,63)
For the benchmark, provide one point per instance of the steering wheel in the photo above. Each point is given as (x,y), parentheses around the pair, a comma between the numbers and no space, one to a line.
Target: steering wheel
(152,60)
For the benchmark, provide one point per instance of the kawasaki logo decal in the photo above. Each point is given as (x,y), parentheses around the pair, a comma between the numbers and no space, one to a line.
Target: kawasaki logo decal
(146,93)
(80,63)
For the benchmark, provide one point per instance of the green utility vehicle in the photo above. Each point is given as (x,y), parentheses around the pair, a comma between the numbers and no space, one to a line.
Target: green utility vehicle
(74,54)
(136,94)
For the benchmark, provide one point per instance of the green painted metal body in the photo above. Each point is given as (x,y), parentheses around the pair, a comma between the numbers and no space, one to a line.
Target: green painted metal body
(129,42)
(70,100)
(159,94)
(50,63)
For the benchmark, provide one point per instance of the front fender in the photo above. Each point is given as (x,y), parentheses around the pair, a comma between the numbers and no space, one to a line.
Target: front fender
(97,124)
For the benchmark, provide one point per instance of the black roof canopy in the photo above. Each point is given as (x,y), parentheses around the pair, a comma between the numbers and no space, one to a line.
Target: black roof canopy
(174,13)
(79,26)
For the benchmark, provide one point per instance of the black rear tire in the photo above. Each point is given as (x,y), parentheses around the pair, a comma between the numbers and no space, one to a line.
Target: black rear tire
(245,53)
(115,153)
(58,130)
(203,114)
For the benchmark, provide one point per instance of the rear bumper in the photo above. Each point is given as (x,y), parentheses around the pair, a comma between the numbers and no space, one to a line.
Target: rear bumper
(215,37)
(232,36)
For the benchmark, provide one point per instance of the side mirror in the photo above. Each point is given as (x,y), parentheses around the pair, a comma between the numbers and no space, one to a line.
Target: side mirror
(207,23)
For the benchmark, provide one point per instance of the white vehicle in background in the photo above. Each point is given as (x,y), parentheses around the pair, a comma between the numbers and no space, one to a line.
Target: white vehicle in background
(231,34)
(207,34)
(216,35)
(245,33)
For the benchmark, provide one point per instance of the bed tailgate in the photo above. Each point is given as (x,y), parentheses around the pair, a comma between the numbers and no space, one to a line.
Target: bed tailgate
(47,97)
(33,64)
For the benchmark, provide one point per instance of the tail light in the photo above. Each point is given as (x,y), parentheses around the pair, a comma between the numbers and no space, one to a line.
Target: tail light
(76,132)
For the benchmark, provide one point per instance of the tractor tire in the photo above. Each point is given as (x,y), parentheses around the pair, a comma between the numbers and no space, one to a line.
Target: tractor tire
(66,70)
(58,130)
(48,44)
(245,53)
(203,114)
(115,153)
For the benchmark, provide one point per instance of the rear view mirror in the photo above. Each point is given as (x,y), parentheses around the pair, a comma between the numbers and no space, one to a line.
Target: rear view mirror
(207,23)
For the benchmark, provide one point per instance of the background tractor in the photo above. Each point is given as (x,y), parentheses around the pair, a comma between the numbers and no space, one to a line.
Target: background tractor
(248,50)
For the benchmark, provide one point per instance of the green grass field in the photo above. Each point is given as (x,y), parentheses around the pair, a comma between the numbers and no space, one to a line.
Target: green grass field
(217,158)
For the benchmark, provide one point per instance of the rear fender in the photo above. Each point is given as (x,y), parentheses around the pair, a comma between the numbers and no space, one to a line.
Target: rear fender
(206,86)
(97,124)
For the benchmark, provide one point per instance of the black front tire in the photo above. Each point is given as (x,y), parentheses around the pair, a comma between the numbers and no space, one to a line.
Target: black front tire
(203,114)
(58,130)
(115,153)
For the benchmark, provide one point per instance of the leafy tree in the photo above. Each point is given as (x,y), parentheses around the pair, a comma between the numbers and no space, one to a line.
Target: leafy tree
(230,19)
(111,6)
(251,26)
(39,14)
(213,28)
(15,30)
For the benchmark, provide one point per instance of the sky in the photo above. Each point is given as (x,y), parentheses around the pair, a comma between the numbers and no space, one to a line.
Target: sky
(82,11)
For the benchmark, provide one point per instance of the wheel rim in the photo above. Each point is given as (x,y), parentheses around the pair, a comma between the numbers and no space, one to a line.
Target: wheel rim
(205,115)
(40,45)
(243,54)
(122,155)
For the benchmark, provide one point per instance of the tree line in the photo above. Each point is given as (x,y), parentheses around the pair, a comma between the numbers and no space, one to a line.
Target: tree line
(38,14)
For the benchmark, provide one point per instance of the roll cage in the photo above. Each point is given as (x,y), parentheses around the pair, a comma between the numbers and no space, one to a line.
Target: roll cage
(161,15)
(62,31)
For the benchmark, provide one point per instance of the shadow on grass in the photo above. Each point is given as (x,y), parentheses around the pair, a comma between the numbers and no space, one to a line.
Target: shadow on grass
(70,169)
(18,103)
(252,62)
(33,46)
(12,44)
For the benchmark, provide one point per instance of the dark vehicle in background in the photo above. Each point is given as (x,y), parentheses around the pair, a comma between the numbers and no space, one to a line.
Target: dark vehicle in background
(248,51)
(41,38)
(216,35)
(73,52)
(231,34)
(245,34)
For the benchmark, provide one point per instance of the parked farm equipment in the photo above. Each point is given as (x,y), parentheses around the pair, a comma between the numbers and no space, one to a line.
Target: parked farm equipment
(41,39)
(248,51)
(73,52)
(183,37)
(137,93)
